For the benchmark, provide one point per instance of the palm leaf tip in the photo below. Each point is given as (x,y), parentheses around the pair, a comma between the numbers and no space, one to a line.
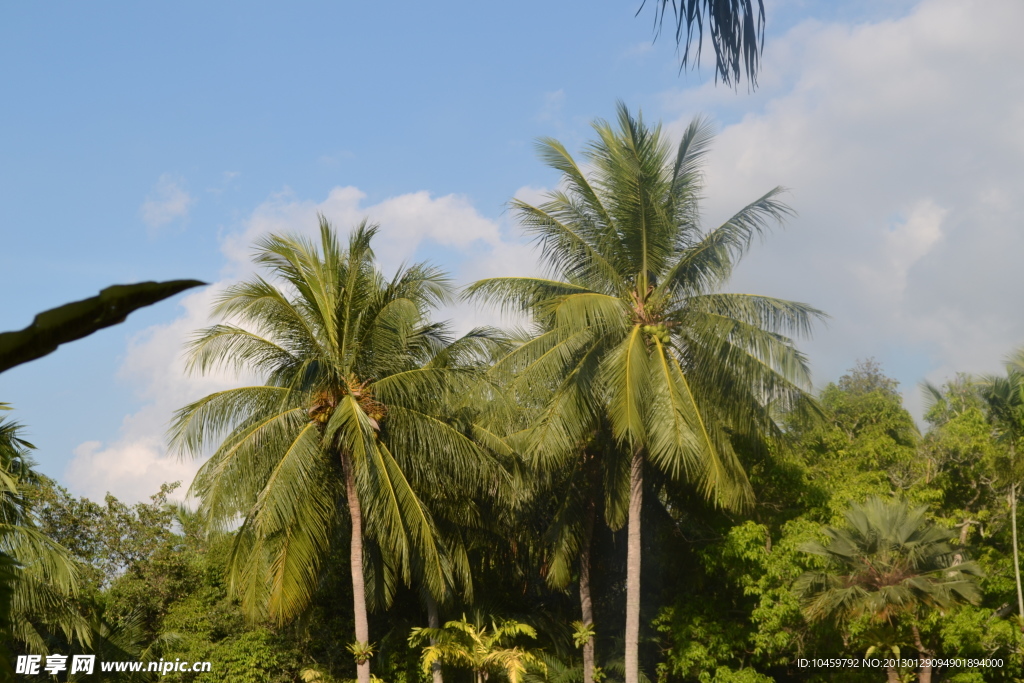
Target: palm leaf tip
(79,319)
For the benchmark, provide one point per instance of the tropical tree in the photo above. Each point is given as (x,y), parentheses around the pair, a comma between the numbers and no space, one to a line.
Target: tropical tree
(43,579)
(632,327)
(483,649)
(351,417)
(1004,399)
(889,562)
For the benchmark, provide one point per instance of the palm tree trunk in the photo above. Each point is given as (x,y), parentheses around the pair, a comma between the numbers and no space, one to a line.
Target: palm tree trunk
(586,606)
(1016,552)
(892,676)
(636,495)
(356,563)
(924,674)
(434,621)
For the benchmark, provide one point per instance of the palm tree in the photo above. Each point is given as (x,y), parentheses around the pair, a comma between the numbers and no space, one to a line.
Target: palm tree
(482,649)
(580,492)
(887,563)
(1004,398)
(352,416)
(632,327)
(42,585)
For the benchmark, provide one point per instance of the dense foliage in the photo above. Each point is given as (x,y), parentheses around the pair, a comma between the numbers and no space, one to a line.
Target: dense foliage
(390,496)
(724,603)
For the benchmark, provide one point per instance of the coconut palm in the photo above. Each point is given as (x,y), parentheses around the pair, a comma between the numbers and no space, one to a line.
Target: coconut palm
(484,649)
(1004,400)
(889,562)
(632,327)
(351,417)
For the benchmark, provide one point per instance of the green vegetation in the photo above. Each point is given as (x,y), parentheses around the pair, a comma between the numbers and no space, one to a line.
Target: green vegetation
(384,479)
(480,648)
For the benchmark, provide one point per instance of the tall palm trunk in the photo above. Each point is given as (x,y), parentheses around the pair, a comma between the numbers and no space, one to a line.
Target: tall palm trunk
(356,563)
(1016,552)
(924,674)
(636,495)
(434,621)
(586,606)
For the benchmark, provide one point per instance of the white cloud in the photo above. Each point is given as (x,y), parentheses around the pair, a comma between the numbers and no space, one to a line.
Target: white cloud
(130,469)
(902,141)
(534,196)
(406,222)
(166,202)
(133,465)
(884,274)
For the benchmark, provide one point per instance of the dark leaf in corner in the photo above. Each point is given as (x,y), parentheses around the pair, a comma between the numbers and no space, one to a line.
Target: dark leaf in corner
(79,319)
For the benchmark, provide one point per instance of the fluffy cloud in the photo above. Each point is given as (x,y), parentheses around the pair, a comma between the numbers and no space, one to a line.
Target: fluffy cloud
(902,141)
(166,202)
(133,466)
(406,222)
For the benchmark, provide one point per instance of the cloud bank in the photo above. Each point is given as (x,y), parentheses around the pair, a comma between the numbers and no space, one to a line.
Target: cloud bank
(903,143)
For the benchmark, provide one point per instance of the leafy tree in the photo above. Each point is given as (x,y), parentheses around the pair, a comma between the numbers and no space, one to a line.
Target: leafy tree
(889,562)
(747,616)
(961,461)
(352,415)
(481,648)
(865,445)
(8,575)
(954,398)
(1004,398)
(112,539)
(632,327)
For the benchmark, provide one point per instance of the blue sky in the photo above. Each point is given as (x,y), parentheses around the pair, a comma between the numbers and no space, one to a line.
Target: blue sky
(155,141)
